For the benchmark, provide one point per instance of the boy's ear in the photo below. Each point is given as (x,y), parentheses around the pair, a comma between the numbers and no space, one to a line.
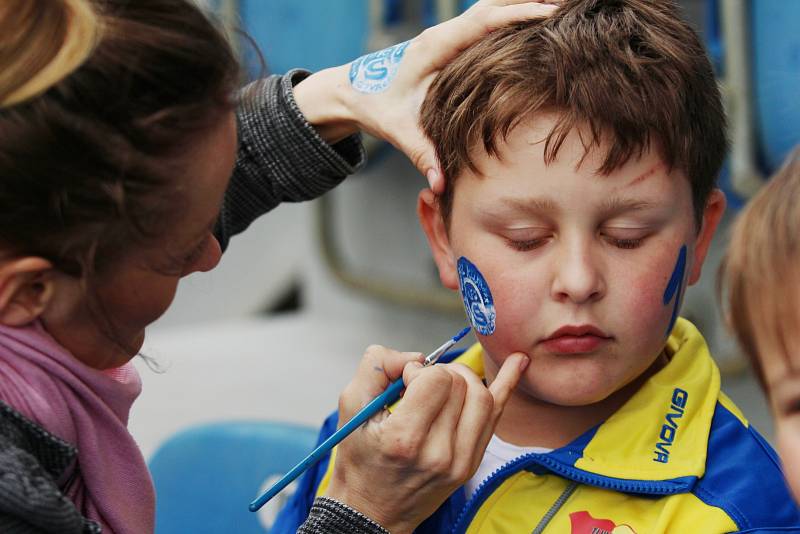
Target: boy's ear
(26,288)
(715,208)
(430,217)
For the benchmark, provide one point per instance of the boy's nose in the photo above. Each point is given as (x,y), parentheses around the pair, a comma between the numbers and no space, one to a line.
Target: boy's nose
(577,277)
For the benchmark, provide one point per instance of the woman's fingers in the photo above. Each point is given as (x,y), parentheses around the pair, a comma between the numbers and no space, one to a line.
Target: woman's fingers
(379,367)
(506,380)
(440,450)
(449,38)
(401,466)
(427,392)
(436,47)
(483,408)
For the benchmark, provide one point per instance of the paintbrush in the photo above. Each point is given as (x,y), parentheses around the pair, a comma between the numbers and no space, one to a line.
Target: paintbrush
(387,398)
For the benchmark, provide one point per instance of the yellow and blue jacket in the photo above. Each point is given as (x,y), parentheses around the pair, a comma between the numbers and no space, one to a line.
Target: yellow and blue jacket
(678,457)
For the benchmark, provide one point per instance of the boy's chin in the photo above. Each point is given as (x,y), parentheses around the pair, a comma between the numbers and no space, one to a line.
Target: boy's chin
(568,393)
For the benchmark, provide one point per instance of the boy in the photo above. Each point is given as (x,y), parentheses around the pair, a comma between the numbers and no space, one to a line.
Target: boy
(580,155)
(761,274)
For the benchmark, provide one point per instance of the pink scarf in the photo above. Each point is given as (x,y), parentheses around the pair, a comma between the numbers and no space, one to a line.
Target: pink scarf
(89,409)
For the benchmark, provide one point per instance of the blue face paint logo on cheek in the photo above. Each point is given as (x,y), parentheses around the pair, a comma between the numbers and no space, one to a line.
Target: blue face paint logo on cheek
(675,287)
(374,72)
(478,302)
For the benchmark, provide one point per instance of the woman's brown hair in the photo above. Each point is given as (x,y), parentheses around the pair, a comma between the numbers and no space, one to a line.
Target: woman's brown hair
(760,276)
(97,100)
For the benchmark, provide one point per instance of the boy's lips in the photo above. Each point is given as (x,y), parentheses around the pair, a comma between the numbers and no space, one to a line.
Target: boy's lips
(579,339)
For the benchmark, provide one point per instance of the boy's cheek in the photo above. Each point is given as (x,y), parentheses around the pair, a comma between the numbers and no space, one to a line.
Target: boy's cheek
(518,322)
(650,297)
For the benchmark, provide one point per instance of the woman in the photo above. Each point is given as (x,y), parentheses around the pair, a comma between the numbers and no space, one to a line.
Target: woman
(120,173)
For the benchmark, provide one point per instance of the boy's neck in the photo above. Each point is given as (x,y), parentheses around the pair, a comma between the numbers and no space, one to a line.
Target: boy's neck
(530,422)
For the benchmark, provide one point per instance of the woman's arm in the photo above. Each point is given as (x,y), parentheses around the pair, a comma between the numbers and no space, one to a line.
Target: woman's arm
(281,156)
(297,132)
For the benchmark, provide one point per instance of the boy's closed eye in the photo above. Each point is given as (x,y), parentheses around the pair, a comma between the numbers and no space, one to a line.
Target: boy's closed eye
(786,395)
(524,239)
(621,237)
(625,237)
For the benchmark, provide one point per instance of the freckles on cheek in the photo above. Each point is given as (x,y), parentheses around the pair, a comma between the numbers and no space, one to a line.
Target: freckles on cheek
(655,295)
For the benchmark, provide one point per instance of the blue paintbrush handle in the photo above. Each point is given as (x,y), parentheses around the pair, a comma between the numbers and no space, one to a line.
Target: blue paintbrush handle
(388,397)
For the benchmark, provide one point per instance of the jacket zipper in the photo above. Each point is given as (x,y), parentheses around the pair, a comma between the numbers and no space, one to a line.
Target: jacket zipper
(515,465)
(562,499)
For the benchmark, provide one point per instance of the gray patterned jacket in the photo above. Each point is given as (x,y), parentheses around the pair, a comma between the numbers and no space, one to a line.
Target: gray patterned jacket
(281,159)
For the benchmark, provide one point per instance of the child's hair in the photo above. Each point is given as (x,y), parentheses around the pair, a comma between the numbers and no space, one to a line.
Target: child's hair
(630,71)
(98,101)
(760,275)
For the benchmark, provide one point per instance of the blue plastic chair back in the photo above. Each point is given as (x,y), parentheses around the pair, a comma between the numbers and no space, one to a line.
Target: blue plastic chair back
(207,475)
(312,34)
(776,70)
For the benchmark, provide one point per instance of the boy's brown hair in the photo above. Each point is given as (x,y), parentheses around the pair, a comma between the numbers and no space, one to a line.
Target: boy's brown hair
(630,73)
(761,272)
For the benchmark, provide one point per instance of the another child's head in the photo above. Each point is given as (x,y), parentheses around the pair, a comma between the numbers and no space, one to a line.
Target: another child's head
(117,140)
(580,156)
(761,277)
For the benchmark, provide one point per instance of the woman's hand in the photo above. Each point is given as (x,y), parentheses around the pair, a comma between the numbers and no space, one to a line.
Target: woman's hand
(399,468)
(381,93)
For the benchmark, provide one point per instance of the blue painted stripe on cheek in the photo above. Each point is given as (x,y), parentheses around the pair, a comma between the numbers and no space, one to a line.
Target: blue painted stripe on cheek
(674,287)
(478,301)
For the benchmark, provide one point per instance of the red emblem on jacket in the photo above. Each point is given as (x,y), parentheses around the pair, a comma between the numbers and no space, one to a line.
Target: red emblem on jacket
(584,523)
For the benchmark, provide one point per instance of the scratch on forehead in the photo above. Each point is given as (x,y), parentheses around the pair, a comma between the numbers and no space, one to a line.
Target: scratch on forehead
(647,174)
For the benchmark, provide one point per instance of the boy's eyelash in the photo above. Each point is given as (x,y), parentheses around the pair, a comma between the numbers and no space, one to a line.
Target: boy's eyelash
(793,407)
(526,245)
(531,244)
(626,243)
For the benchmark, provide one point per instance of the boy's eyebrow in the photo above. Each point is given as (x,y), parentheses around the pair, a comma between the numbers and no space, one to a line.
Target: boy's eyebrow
(532,205)
(622,205)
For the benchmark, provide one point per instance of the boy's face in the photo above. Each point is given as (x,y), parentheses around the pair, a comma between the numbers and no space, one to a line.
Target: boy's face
(578,264)
(780,360)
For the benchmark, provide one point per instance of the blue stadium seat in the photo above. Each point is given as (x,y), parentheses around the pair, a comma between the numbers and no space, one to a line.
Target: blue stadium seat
(776,73)
(207,475)
(313,34)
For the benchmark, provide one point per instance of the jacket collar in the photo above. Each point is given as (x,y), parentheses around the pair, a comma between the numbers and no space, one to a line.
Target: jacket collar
(657,441)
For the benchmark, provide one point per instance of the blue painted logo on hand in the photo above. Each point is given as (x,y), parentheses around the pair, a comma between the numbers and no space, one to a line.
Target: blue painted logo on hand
(478,302)
(374,72)
(674,287)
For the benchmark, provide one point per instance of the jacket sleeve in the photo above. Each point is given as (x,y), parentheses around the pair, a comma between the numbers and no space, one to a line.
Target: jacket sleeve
(281,158)
(329,516)
(31,501)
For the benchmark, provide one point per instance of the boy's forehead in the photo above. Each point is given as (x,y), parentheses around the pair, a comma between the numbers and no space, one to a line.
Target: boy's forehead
(524,154)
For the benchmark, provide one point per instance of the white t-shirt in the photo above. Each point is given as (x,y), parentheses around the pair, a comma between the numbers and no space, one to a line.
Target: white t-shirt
(498,453)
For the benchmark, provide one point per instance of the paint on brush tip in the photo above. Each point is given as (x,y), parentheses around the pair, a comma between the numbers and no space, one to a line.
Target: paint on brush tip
(674,287)
(478,302)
